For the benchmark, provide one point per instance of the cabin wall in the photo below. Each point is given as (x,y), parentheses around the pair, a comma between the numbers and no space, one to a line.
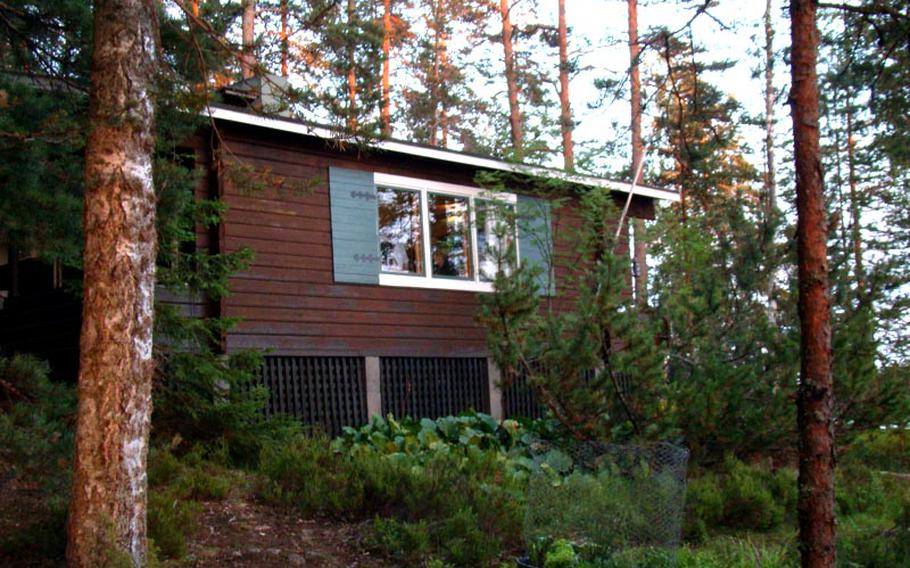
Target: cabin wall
(288,302)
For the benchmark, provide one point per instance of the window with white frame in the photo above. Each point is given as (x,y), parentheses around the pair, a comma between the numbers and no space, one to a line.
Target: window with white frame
(441,235)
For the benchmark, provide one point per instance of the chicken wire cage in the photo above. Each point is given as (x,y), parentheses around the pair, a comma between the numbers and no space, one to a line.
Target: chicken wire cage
(612,505)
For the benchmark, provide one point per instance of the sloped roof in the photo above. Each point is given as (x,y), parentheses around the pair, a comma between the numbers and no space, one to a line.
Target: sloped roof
(241,116)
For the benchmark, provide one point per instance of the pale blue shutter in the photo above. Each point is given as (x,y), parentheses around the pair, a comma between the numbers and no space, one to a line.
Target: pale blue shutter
(535,239)
(355,226)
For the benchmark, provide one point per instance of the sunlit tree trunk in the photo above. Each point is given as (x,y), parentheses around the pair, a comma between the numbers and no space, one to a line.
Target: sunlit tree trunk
(511,79)
(352,73)
(248,32)
(443,108)
(565,116)
(283,36)
(815,396)
(108,509)
(385,111)
(640,250)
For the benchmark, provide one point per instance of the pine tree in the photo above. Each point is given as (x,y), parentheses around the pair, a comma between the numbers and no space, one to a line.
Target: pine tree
(592,361)
(107,515)
(565,116)
(815,395)
(640,250)
(440,107)
(714,262)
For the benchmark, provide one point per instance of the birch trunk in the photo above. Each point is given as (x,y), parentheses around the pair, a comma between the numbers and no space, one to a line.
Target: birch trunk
(511,79)
(815,396)
(565,116)
(640,249)
(108,508)
(248,31)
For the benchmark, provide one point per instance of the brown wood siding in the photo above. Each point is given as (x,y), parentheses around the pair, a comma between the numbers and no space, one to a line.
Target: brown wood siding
(288,301)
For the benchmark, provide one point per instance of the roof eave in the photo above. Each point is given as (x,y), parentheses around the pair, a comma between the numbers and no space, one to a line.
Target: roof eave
(297,127)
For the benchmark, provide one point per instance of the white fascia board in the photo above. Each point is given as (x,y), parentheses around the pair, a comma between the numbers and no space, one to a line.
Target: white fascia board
(295,127)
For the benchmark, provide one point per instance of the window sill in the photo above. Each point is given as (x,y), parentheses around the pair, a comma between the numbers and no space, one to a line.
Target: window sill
(407,281)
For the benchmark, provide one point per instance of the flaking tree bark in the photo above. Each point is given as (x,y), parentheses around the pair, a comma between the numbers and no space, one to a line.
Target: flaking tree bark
(640,248)
(108,508)
(815,395)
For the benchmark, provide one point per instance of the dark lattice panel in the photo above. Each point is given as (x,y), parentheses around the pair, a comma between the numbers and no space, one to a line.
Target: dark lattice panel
(326,391)
(431,387)
(519,400)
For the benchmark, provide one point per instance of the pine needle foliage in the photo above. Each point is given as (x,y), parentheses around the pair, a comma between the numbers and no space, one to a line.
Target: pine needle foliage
(591,360)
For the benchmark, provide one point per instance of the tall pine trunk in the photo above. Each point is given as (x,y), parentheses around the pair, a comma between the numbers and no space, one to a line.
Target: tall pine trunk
(640,251)
(855,213)
(352,71)
(108,508)
(565,116)
(283,36)
(815,396)
(511,80)
(443,106)
(248,33)
(770,173)
(385,112)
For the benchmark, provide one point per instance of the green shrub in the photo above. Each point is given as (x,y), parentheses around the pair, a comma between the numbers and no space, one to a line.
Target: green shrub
(308,474)
(36,436)
(418,439)
(743,497)
(858,489)
(560,555)
(880,449)
(214,402)
(872,542)
(170,520)
(748,500)
(44,537)
(36,445)
(405,543)
(732,552)
(704,506)
(190,477)
(470,499)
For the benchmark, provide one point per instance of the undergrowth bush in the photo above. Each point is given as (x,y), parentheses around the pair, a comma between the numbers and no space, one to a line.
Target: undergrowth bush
(740,496)
(887,450)
(419,439)
(177,485)
(215,402)
(469,500)
(36,446)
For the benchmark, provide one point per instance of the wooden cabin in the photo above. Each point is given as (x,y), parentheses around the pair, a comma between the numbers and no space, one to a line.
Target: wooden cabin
(365,281)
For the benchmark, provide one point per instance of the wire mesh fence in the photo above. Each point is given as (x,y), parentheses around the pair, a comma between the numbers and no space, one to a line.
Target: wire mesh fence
(619,504)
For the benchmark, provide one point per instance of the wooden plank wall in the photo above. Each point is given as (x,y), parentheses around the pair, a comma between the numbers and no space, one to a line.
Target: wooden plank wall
(288,301)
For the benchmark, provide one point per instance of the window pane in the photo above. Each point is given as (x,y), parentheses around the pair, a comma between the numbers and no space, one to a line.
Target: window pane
(400,239)
(450,236)
(495,234)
